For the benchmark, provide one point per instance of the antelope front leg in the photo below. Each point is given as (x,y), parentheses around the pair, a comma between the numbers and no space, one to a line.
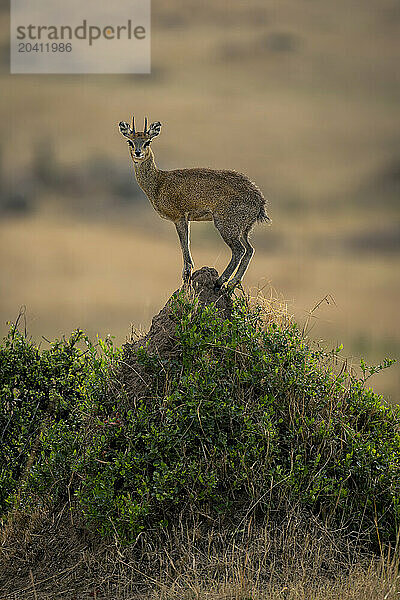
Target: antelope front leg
(182,227)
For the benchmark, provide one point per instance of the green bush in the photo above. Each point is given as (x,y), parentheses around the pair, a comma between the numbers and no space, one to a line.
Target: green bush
(245,417)
(38,390)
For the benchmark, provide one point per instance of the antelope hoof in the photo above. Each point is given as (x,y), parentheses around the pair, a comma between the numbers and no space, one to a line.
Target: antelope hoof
(233,284)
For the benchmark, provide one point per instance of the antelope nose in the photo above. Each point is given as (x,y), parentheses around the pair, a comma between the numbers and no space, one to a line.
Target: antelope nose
(138,152)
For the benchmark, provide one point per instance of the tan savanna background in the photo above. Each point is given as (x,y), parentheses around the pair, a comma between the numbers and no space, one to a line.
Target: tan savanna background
(301,95)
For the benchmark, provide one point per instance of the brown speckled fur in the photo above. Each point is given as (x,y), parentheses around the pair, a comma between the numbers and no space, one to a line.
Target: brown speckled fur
(228,198)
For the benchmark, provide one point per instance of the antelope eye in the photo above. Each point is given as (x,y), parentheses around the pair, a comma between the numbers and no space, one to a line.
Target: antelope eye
(147,143)
(130,143)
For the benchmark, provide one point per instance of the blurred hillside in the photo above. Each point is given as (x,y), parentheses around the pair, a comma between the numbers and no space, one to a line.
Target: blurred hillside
(302,96)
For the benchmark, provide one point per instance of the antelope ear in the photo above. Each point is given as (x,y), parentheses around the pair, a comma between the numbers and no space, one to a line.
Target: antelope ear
(125,128)
(154,129)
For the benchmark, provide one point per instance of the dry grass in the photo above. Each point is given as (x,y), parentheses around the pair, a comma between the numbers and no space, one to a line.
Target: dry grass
(50,557)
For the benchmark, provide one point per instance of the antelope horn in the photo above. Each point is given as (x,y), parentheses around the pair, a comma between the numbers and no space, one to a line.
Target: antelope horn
(145,125)
(133,124)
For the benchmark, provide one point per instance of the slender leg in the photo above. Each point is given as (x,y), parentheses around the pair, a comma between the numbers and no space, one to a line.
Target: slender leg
(182,227)
(244,263)
(233,240)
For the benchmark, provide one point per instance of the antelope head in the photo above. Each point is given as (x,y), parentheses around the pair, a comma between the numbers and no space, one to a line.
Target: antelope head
(139,141)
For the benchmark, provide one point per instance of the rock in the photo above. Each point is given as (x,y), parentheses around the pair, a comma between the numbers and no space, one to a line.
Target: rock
(203,283)
(161,337)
